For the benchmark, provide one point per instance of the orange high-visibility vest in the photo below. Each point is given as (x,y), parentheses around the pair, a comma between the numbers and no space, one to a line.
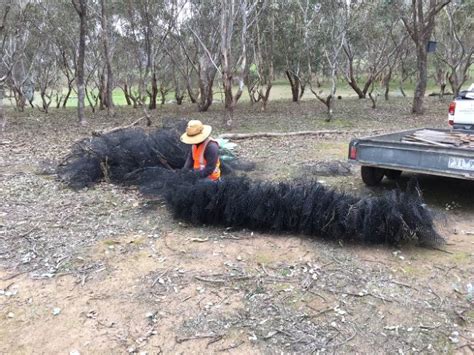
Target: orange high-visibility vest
(200,162)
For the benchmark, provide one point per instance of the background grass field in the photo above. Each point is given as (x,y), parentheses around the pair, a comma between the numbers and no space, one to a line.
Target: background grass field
(280,91)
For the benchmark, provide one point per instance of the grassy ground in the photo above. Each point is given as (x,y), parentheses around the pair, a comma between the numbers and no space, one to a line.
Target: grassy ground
(280,91)
(103,270)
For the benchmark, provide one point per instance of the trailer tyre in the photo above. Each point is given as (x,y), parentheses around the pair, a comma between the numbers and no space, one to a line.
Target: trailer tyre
(392,174)
(371,176)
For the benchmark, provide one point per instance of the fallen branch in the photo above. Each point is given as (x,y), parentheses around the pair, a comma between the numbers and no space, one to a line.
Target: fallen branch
(203,279)
(180,340)
(287,134)
(232,346)
(105,131)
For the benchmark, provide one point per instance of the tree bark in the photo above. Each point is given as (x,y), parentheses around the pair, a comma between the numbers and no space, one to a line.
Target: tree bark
(351,80)
(178,92)
(163,92)
(81,9)
(207,74)
(68,93)
(420,89)
(127,96)
(294,85)
(189,89)
(108,99)
(102,92)
(386,82)
(46,100)
(3,118)
(154,92)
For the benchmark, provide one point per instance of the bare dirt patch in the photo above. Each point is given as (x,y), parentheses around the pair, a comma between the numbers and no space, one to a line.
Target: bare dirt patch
(103,270)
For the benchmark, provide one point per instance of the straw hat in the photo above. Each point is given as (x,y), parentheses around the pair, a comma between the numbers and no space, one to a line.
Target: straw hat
(196,132)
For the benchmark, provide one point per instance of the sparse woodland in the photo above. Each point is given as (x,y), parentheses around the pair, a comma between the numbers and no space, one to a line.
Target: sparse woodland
(152,50)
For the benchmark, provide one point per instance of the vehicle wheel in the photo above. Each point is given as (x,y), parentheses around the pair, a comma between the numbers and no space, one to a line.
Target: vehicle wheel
(371,176)
(392,174)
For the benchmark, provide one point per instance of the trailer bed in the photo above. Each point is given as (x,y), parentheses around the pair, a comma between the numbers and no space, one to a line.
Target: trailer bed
(388,154)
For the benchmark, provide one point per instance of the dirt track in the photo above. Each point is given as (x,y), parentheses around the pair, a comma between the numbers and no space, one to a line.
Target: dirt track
(105,271)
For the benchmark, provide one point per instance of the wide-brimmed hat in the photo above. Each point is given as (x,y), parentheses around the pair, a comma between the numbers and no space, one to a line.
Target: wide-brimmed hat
(196,132)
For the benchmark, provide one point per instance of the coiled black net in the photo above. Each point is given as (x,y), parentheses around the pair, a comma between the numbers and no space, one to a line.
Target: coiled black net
(300,207)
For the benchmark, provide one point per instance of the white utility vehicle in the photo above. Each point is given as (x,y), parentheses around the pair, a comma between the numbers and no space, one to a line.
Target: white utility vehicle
(461,110)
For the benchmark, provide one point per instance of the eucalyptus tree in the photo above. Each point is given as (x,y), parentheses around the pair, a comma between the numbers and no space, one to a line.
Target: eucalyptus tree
(105,34)
(419,20)
(332,26)
(455,36)
(20,48)
(263,43)
(234,66)
(290,30)
(46,74)
(4,72)
(369,47)
(200,41)
(63,27)
(81,8)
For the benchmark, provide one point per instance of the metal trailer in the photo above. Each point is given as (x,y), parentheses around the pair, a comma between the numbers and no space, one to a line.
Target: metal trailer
(386,155)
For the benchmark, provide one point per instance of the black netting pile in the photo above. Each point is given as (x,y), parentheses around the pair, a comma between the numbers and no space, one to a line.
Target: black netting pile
(116,154)
(301,207)
(119,156)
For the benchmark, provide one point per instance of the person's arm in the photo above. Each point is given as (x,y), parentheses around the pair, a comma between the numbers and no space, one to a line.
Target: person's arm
(211,155)
(189,160)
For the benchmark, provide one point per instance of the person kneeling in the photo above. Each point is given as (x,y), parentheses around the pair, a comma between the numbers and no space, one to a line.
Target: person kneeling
(204,154)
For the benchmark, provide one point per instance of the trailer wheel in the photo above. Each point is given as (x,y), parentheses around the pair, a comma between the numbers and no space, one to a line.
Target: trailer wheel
(392,174)
(371,176)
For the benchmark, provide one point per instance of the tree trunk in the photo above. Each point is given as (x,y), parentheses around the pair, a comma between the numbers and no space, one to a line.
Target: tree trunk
(102,92)
(189,89)
(20,99)
(228,99)
(442,89)
(154,92)
(329,111)
(294,84)
(69,90)
(401,89)
(386,82)
(454,83)
(265,96)
(351,80)
(127,96)
(108,97)
(207,74)
(353,84)
(420,89)
(59,99)
(420,30)
(46,101)
(81,9)
(89,99)
(3,118)
(163,92)
(373,99)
